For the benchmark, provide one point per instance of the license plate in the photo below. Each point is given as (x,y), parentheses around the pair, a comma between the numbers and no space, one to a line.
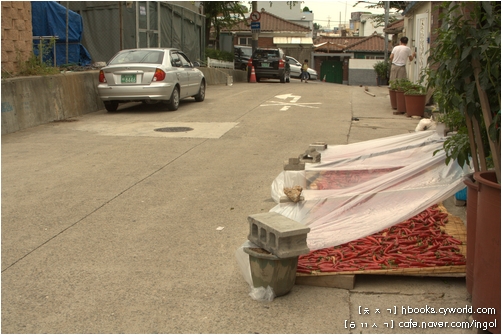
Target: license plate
(128,78)
(265,64)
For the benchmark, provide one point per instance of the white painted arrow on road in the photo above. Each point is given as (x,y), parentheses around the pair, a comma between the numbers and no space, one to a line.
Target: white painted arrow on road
(292,102)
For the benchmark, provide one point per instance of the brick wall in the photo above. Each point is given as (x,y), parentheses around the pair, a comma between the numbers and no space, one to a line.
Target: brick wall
(17,34)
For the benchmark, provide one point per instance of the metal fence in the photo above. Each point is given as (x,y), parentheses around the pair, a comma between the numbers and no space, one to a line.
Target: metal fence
(113,26)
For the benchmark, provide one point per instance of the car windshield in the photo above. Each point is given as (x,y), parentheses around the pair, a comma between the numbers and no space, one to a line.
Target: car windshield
(266,53)
(247,51)
(138,56)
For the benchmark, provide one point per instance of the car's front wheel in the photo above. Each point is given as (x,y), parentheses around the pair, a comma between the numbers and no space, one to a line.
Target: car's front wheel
(202,92)
(174,102)
(111,106)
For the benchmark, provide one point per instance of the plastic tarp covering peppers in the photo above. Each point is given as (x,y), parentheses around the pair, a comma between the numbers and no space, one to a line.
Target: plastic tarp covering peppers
(359,189)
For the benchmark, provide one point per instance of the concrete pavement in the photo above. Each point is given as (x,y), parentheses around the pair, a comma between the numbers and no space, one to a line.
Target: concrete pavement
(109,226)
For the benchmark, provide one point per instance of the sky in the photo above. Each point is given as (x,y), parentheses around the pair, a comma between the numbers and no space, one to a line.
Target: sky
(333,11)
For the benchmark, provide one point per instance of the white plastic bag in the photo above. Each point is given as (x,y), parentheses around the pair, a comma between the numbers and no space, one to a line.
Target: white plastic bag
(359,189)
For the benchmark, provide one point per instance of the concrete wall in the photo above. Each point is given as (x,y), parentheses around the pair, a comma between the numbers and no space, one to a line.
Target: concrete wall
(17,41)
(32,101)
(361,72)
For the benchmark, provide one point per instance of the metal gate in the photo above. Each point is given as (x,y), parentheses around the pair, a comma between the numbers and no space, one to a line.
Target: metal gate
(332,70)
(147,24)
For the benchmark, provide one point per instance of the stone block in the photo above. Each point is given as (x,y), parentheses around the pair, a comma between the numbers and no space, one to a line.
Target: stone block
(278,234)
(294,164)
(318,146)
(310,156)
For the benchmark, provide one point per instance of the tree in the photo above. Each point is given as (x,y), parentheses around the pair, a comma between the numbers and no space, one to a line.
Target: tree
(317,26)
(222,14)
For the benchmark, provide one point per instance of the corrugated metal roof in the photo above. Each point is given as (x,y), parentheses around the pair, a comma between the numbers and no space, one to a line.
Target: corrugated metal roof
(271,23)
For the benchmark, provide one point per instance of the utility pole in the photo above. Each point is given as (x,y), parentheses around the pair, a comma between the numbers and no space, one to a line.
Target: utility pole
(254,41)
(386,36)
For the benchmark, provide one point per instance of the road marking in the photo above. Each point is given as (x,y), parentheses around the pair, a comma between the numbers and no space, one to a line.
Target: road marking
(292,102)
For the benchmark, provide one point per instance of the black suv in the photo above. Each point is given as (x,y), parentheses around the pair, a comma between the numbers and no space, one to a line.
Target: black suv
(241,56)
(269,63)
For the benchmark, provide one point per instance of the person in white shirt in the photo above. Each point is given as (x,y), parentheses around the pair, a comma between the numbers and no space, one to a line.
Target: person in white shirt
(400,54)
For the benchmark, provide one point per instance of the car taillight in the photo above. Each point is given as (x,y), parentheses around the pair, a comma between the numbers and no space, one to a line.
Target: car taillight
(159,75)
(281,64)
(102,78)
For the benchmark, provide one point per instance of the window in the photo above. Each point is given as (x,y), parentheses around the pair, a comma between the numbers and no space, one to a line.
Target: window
(245,40)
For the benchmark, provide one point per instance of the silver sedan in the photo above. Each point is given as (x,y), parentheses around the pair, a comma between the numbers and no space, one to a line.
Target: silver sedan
(150,75)
(296,69)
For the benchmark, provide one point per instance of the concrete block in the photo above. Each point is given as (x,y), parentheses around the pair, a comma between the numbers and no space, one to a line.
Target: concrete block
(278,234)
(310,156)
(294,164)
(318,146)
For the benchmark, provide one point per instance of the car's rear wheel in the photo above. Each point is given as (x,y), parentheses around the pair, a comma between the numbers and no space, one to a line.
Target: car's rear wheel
(111,106)
(174,102)
(202,92)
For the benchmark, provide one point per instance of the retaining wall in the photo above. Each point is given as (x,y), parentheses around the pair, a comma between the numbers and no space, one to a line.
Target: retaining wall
(32,101)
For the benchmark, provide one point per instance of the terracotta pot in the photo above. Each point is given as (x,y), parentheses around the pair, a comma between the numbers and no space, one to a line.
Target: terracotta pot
(472,206)
(393,100)
(401,105)
(486,286)
(415,104)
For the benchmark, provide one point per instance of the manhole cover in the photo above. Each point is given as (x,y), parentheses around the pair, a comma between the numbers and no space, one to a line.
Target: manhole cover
(174,129)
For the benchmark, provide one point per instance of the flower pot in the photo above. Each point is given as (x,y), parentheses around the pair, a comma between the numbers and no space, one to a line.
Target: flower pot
(400,103)
(486,285)
(382,81)
(472,206)
(415,104)
(393,101)
(270,270)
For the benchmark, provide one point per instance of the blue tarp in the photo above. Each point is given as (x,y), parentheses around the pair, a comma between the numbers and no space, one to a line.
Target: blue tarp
(49,19)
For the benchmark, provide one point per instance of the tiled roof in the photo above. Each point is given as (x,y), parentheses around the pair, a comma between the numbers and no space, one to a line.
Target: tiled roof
(373,43)
(395,27)
(271,23)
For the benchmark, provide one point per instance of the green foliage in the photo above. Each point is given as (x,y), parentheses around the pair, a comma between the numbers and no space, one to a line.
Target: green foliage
(394,84)
(416,89)
(219,54)
(469,33)
(382,69)
(34,66)
(222,14)
(403,85)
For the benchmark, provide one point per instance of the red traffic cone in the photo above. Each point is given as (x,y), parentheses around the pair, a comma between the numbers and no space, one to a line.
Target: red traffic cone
(252,79)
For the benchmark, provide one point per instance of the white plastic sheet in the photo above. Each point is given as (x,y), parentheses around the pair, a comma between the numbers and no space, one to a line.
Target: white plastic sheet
(369,186)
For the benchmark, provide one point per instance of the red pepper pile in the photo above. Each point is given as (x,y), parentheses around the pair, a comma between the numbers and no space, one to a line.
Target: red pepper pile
(417,242)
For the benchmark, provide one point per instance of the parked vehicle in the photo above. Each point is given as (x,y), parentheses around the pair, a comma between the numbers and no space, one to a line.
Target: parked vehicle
(269,63)
(296,69)
(150,75)
(241,56)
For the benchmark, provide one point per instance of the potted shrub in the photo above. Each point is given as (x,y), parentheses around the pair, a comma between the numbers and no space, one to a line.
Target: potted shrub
(402,86)
(392,93)
(465,66)
(415,100)
(382,69)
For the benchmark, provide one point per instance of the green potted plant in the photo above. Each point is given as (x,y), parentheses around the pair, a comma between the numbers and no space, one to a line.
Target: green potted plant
(382,69)
(402,86)
(464,65)
(393,86)
(415,100)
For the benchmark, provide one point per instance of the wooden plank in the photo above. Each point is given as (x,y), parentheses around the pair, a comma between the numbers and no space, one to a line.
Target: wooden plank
(455,227)
(336,281)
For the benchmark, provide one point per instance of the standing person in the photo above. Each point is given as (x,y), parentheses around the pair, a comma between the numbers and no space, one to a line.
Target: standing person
(398,57)
(305,67)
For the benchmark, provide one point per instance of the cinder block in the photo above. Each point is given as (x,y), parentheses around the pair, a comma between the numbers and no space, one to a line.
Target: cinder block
(310,156)
(294,164)
(318,146)
(278,234)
